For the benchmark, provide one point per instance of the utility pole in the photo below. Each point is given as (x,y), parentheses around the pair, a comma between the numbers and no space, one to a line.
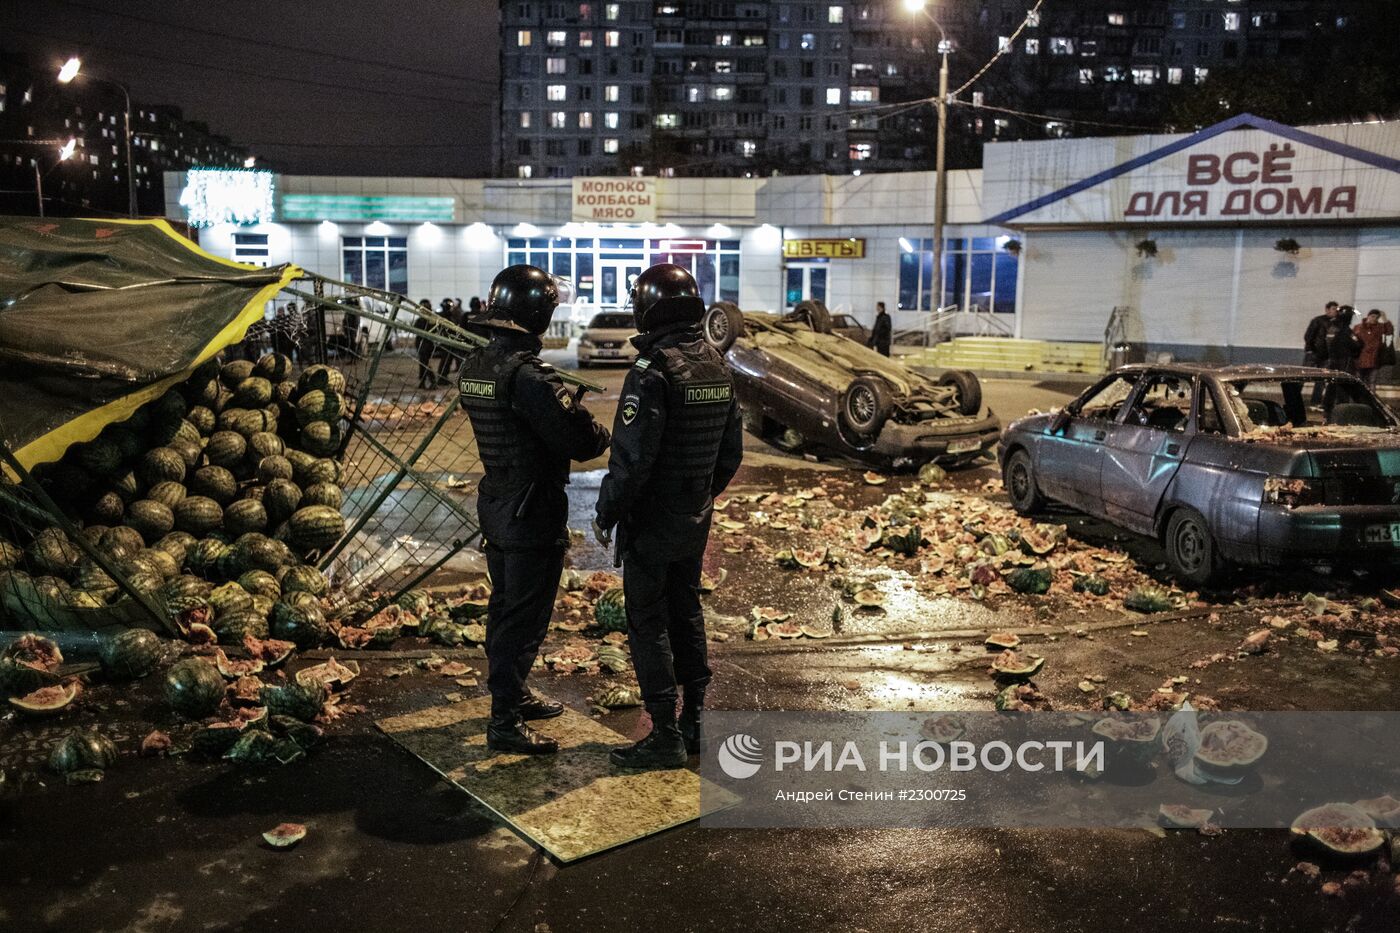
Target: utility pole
(940,165)
(39,186)
(940,208)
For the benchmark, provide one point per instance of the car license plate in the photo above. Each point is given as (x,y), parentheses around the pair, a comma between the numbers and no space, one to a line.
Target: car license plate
(1382,534)
(610,354)
(964,445)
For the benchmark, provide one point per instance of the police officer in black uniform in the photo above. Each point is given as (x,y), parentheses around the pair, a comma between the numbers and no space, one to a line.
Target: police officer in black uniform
(677,442)
(528,427)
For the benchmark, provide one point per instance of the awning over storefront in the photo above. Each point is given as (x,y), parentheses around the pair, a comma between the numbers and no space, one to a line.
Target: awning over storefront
(98,317)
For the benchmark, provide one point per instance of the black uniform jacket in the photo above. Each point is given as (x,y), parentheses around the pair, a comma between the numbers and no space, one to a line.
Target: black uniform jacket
(528,508)
(676,523)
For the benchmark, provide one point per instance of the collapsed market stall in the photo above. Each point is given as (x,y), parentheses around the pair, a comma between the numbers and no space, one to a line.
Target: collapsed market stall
(161,472)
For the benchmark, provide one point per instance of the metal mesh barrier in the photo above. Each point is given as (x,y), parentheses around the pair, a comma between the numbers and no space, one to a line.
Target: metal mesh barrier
(409,459)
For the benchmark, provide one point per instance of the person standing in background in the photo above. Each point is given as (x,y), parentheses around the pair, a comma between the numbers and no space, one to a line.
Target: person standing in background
(1377,338)
(881,333)
(1342,344)
(450,360)
(1315,344)
(1315,337)
(424,346)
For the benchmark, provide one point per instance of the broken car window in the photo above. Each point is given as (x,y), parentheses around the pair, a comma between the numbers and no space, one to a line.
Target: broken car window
(1104,403)
(1264,405)
(1165,404)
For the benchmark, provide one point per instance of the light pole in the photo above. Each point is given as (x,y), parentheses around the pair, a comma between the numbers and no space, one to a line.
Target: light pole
(940,205)
(67,73)
(65,152)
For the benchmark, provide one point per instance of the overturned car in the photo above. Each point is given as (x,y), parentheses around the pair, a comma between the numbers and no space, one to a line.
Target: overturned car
(804,388)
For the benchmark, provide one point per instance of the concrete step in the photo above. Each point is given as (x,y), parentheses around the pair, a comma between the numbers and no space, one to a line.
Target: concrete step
(1008,354)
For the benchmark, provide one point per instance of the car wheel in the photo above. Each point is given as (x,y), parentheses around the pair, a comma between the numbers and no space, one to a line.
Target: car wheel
(865,405)
(722,325)
(583,364)
(1191,553)
(1018,477)
(967,390)
(815,313)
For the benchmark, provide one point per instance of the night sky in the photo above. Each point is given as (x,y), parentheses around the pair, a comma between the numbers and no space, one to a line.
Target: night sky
(352,87)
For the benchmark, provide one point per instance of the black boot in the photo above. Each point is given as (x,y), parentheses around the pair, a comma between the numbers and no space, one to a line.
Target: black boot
(662,748)
(691,708)
(536,707)
(507,732)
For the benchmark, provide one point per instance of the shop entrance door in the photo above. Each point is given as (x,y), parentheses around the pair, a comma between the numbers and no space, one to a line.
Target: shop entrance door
(804,281)
(615,278)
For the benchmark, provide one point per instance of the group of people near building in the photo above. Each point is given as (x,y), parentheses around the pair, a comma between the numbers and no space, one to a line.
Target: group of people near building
(449,311)
(675,444)
(1333,341)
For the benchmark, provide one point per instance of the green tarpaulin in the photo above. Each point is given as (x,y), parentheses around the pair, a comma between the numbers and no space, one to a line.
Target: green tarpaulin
(98,317)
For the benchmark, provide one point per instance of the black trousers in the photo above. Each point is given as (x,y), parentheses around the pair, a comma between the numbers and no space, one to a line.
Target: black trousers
(523,585)
(665,624)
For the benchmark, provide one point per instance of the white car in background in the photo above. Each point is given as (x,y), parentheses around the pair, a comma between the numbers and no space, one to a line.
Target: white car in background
(607,339)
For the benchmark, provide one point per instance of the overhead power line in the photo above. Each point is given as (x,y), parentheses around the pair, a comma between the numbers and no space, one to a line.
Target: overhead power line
(1032,14)
(1046,116)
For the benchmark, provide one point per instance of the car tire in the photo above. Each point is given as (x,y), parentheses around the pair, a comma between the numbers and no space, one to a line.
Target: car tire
(583,364)
(1192,555)
(815,313)
(865,406)
(968,388)
(722,325)
(1018,478)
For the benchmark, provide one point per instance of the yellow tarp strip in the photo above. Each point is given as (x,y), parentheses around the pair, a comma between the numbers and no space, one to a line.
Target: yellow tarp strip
(88,425)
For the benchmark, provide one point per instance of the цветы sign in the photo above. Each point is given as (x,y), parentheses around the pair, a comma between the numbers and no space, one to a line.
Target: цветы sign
(615,200)
(849,248)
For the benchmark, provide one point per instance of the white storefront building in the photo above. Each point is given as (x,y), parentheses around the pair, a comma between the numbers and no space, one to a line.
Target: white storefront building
(1188,236)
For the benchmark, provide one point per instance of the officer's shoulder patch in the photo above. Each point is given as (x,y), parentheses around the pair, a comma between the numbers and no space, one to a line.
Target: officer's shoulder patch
(708,393)
(564,397)
(643,363)
(477,388)
(631,404)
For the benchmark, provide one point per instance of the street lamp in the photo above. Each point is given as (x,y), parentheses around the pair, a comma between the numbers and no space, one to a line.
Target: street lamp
(65,152)
(66,74)
(940,207)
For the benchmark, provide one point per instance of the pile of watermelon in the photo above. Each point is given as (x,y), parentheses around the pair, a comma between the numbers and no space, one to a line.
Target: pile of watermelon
(215,498)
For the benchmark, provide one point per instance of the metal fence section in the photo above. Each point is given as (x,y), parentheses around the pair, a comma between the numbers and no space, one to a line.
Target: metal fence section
(408,459)
(410,465)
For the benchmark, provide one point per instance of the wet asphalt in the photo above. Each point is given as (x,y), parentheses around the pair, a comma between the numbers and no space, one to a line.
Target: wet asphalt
(174,844)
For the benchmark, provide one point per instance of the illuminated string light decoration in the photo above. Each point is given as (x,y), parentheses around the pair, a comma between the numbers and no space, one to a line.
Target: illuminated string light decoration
(228,196)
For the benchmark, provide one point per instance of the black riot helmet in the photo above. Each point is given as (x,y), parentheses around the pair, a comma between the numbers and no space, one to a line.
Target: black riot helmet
(666,294)
(523,298)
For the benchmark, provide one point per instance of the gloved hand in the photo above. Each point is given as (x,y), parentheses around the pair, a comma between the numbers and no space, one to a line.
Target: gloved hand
(601,534)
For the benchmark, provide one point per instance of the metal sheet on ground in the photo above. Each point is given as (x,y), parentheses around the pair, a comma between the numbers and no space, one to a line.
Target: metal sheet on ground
(573,804)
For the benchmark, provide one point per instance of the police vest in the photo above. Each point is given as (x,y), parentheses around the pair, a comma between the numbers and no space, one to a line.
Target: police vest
(510,449)
(699,393)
